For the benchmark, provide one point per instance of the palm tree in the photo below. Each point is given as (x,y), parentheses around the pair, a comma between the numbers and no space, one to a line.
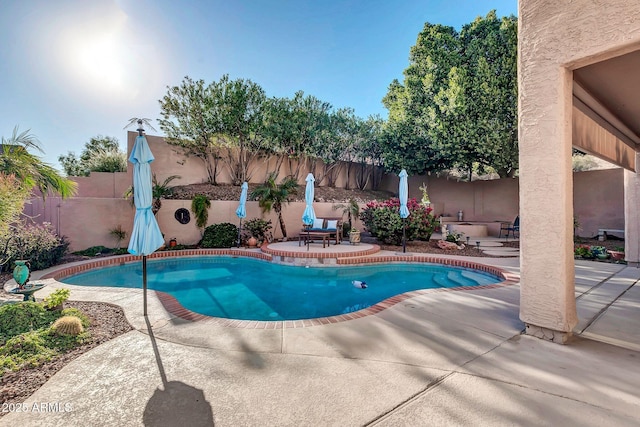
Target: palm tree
(160,191)
(273,196)
(30,170)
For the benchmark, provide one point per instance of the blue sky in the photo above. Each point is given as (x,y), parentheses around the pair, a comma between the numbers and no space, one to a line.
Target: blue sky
(74,69)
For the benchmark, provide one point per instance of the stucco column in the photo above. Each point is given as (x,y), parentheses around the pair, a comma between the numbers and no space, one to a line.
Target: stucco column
(632,215)
(547,301)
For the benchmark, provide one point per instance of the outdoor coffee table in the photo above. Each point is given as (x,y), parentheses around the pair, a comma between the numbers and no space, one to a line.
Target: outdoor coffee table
(311,235)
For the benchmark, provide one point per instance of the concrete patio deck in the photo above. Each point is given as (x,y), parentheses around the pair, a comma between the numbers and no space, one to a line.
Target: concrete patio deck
(448,358)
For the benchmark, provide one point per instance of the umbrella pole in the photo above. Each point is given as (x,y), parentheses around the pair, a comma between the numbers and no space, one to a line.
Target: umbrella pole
(239,228)
(144,284)
(404,235)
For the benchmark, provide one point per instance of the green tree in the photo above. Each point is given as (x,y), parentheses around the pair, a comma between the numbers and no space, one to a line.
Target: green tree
(458,101)
(296,128)
(189,122)
(488,119)
(271,195)
(28,169)
(100,154)
(237,106)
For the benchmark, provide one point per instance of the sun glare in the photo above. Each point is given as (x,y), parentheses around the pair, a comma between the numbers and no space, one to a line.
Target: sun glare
(97,56)
(99,61)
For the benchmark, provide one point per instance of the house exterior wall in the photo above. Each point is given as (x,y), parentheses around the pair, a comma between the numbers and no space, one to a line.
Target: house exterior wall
(553,39)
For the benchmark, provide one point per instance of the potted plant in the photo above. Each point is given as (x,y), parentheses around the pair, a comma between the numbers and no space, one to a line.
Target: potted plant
(352,210)
(354,236)
(617,253)
(599,252)
(257,229)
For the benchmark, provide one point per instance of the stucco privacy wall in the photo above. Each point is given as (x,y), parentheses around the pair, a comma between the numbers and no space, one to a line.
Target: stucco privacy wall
(554,38)
(86,221)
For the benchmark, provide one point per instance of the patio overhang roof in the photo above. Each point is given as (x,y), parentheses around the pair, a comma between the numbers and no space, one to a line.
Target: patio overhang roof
(606,109)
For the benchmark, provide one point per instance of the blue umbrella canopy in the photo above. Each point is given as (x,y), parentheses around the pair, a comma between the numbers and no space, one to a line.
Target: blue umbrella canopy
(309,214)
(241,212)
(403,193)
(145,236)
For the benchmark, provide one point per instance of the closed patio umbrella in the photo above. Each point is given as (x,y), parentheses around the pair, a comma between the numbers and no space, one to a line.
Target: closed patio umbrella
(241,212)
(403,194)
(145,236)
(309,214)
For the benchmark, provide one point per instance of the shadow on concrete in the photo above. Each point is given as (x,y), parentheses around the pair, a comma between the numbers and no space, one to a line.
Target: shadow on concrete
(176,403)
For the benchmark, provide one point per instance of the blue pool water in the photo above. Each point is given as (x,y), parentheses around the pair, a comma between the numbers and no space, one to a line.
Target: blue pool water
(250,289)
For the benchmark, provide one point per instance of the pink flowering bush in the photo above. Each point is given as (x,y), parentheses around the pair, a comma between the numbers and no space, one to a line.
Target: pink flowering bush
(39,244)
(382,220)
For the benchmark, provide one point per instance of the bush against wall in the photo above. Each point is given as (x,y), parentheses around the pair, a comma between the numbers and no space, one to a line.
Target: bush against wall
(39,244)
(223,235)
(258,228)
(382,220)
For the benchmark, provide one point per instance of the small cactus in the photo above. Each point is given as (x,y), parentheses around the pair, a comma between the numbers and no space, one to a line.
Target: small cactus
(68,325)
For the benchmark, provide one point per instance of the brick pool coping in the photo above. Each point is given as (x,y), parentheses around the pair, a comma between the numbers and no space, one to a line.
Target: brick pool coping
(172,305)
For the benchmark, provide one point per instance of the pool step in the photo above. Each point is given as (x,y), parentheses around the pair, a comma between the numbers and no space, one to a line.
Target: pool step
(458,279)
(479,279)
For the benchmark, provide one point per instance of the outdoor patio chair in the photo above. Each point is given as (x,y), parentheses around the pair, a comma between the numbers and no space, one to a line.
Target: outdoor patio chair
(510,227)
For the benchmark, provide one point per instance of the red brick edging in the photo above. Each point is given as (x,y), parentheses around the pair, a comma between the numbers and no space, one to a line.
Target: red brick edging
(328,254)
(175,308)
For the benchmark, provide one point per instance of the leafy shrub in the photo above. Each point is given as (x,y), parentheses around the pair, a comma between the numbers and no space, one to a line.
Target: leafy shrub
(56,298)
(94,250)
(176,247)
(36,347)
(37,243)
(583,251)
(382,220)
(223,235)
(258,228)
(25,349)
(27,337)
(23,317)
(454,237)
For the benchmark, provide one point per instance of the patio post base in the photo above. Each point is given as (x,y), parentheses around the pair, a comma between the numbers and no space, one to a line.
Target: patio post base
(558,337)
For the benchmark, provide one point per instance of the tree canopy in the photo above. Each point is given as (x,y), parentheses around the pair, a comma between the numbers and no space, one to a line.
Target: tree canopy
(100,154)
(234,121)
(457,105)
(455,109)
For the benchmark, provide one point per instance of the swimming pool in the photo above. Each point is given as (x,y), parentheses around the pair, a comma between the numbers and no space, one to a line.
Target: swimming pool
(250,289)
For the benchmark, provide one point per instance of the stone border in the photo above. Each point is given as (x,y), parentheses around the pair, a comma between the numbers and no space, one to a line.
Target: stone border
(172,305)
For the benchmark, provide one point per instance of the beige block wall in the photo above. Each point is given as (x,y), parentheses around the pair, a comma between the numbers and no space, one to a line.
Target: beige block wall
(86,221)
(599,200)
(104,184)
